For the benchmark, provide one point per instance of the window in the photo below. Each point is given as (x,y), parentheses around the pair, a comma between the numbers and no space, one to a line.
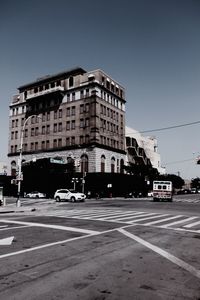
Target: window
(112,165)
(84,163)
(87,139)
(13,123)
(87,107)
(68,112)
(43,129)
(55,114)
(43,145)
(47,144)
(73,124)
(103,163)
(87,93)
(43,117)
(81,108)
(67,141)
(22,121)
(48,129)
(36,131)
(87,121)
(55,128)
(81,123)
(68,125)
(26,133)
(16,123)
(32,146)
(32,131)
(81,139)
(68,97)
(60,127)
(73,110)
(73,140)
(71,81)
(59,142)
(73,96)
(48,116)
(60,113)
(55,143)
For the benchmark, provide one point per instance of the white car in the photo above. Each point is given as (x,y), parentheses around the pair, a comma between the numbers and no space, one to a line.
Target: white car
(35,195)
(69,195)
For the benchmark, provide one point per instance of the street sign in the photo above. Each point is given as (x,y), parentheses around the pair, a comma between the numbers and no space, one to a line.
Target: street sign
(56,161)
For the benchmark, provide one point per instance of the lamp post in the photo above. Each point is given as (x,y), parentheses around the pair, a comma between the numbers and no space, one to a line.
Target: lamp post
(18,204)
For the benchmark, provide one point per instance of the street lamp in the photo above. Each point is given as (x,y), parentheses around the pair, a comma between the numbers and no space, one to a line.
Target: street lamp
(74,180)
(20,161)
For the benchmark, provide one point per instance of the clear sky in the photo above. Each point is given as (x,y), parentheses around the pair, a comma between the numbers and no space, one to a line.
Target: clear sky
(152,47)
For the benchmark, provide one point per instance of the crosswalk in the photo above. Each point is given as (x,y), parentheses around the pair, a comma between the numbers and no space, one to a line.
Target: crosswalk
(131,217)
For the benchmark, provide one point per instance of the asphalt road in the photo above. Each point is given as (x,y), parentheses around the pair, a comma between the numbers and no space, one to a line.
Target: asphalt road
(102,249)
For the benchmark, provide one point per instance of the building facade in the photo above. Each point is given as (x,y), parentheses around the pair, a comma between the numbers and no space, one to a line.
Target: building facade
(143,150)
(75,115)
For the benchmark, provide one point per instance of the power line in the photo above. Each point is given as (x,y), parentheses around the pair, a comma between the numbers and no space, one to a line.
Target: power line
(179,161)
(170,127)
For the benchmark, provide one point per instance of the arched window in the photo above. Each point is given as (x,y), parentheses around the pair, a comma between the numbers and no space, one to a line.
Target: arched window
(112,165)
(84,163)
(103,159)
(122,166)
(13,168)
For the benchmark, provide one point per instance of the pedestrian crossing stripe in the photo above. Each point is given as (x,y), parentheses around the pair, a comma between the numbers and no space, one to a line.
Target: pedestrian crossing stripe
(167,221)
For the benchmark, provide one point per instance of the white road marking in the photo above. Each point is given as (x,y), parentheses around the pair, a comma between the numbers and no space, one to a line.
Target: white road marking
(163,253)
(6,241)
(14,227)
(120,215)
(148,218)
(177,222)
(73,229)
(3,226)
(134,217)
(162,220)
(192,224)
(44,246)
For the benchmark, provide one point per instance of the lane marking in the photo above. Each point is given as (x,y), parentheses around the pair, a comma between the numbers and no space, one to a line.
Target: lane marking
(134,217)
(14,227)
(163,220)
(178,222)
(148,218)
(59,227)
(44,246)
(192,224)
(167,255)
(6,241)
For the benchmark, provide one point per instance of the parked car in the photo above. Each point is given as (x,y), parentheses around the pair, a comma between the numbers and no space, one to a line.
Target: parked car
(35,195)
(69,195)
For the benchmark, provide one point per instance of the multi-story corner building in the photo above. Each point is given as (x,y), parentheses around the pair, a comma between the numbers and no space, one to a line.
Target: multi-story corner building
(71,115)
(143,150)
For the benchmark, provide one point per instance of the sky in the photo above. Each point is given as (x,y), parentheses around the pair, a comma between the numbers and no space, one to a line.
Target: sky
(151,47)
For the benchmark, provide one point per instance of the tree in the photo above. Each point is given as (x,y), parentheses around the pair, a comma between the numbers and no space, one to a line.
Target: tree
(177,181)
(195,183)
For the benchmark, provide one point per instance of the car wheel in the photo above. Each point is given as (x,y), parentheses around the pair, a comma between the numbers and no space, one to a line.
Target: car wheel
(57,199)
(73,199)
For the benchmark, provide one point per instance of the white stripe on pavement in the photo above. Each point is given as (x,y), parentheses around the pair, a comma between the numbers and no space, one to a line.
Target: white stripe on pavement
(162,220)
(178,222)
(67,228)
(163,253)
(192,224)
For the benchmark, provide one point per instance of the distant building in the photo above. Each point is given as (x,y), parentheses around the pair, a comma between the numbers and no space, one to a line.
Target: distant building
(142,150)
(3,168)
(76,115)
